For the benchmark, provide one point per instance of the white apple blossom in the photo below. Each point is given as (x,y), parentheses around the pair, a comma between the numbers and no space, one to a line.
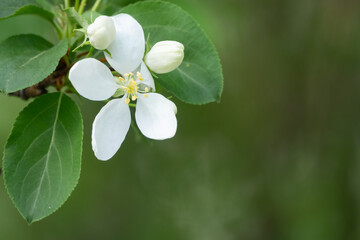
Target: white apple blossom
(154,114)
(165,56)
(101,32)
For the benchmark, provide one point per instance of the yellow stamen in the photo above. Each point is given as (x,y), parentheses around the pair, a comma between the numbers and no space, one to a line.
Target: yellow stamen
(121,79)
(131,87)
(145,95)
(146,89)
(138,74)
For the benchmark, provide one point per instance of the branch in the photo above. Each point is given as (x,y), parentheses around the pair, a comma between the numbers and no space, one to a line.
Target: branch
(54,79)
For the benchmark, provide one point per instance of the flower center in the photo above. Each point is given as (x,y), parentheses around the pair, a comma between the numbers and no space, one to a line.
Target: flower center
(131,86)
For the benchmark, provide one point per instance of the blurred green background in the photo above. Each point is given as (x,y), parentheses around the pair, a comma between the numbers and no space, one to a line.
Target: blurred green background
(278,158)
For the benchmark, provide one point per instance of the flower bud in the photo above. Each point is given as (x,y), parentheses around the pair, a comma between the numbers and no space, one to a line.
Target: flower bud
(101,32)
(165,56)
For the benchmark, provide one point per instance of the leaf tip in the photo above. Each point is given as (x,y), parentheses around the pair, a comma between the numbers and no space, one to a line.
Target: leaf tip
(29,220)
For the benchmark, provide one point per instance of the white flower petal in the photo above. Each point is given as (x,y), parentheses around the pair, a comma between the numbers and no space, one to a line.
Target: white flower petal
(110,128)
(92,79)
(128,48)
(148,79)
(173,106)
(155,117)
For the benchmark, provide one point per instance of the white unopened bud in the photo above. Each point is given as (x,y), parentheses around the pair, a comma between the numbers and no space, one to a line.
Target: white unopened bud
(101,32)
(165,56)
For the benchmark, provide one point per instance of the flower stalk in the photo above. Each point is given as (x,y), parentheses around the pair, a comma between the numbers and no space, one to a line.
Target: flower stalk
(76,6)
(82,6)
(96,5)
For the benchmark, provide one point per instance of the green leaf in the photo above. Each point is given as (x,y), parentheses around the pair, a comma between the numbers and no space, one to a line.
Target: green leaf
(199,78)
(26,60)
(42,157)
(76,18)
(11,8)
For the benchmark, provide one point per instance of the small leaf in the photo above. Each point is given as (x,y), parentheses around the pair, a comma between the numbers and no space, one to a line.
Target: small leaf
(11,8)
(26,60)
(199,78)
(76,18)
(42,157)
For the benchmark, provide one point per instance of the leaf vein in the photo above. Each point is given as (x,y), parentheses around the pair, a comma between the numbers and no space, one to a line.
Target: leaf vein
(48,155)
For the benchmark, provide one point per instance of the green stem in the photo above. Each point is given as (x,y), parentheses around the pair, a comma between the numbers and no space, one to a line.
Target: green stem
(69,31)
(82,6)
(90,52)
(96,5)
(64,89)
(58,29)
(77,2)
(67,60)
(67,3)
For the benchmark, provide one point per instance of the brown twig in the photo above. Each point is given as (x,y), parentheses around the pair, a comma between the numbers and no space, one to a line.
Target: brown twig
(82,54)
(56,79)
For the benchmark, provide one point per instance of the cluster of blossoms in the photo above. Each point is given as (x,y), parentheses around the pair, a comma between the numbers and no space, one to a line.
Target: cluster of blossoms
(123,37)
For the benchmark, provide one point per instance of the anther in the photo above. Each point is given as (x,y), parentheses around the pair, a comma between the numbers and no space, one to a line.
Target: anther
(138,74)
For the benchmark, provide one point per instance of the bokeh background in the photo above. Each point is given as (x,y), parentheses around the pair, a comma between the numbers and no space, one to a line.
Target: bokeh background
(278,158)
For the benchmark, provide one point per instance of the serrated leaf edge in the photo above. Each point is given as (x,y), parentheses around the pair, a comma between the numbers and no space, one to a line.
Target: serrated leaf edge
(219,94)
(77,180)
(53,69)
